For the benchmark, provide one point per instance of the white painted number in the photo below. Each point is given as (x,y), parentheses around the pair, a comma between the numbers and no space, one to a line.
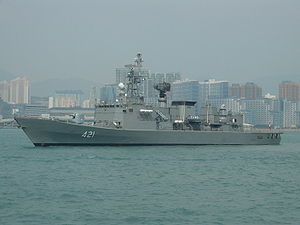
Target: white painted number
(88,134)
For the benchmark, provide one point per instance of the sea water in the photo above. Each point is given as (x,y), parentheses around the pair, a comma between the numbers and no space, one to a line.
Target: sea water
(148,185)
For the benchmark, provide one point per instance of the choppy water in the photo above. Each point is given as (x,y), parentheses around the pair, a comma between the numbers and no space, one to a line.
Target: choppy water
(148,185)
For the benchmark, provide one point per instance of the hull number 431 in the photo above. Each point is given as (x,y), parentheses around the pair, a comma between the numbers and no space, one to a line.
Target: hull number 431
(88,134)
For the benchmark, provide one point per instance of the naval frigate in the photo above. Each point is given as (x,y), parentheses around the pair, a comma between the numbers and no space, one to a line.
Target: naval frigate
(129,121)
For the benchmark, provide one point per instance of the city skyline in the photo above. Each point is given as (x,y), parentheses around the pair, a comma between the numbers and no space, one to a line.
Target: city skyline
(232,86)
(247,99)
(75,84)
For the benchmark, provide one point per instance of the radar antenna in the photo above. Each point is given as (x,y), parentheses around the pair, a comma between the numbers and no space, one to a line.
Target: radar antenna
(163,88)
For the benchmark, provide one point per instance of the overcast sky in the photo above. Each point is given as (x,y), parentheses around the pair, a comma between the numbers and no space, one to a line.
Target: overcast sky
(236,40)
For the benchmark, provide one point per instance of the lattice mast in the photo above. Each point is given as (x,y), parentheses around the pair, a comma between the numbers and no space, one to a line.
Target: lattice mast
(134,81)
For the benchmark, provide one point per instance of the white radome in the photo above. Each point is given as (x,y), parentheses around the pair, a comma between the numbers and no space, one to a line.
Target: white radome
(121,86)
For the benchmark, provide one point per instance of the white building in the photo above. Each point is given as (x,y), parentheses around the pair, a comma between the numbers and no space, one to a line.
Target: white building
(19,91)
(256,112)
(289,114)
(15,91)
(66,99)
(213,89)
(4,91)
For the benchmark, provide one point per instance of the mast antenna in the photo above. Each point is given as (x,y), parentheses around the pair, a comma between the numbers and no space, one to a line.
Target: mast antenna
(134,80)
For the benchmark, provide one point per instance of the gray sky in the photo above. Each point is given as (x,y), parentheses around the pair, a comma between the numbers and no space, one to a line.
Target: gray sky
(236,40)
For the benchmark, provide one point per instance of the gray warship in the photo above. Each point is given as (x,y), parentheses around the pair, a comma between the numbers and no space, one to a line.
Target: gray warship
(129,121)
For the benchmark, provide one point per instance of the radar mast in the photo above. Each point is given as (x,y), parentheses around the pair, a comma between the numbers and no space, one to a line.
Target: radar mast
(134,80)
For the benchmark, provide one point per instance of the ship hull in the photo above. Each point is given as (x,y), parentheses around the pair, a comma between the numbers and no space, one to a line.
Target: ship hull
(45,132)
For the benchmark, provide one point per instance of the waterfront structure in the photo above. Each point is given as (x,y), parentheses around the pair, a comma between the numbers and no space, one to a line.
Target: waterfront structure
(36,110)
(37,100)
(5,109)
(66,98)
(289,91)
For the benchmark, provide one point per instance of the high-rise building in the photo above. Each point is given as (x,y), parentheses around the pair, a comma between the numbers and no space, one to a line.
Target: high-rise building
(298,119)
(212,89)
(289,114)
(245,91)
(108,93)
(121,74)
(51,102)
(15,91)
(4,91)
(19,91)
(235,91)
(289,94)
(276,110)
(86,103)
(93,98)
(186,90)
(256,112)
(289,91)
(251,91)
(66,99)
